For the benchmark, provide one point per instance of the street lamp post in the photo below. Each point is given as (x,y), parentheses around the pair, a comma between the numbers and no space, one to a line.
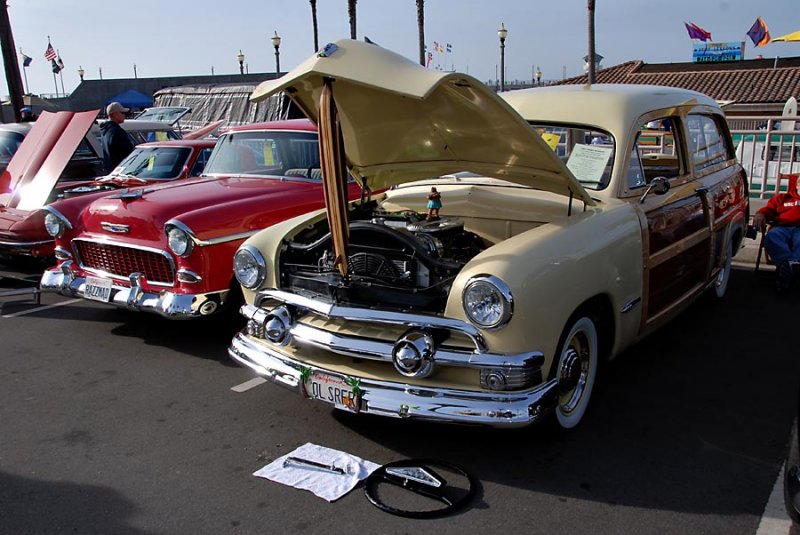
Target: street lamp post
(240,57)
(276,42)
(502,33)
(81,72)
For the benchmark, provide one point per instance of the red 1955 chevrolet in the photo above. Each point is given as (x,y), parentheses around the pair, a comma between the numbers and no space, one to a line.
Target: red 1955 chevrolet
(168,249)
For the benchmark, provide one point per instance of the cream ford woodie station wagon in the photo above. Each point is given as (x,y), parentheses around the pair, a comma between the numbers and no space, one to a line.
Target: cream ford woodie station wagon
(574,221)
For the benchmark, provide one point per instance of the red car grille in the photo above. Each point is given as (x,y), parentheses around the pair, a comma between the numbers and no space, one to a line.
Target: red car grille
(123,261)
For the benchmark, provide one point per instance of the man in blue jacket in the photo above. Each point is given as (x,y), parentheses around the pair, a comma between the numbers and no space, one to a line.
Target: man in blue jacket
(117,143)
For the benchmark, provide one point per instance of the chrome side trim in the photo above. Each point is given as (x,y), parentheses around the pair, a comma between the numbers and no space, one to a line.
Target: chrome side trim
(329,310)
(627,307)
(213,241)
(22,244)
(403,400)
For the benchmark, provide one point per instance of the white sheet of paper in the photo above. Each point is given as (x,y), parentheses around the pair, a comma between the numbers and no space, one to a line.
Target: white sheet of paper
(587,162)
(324,484)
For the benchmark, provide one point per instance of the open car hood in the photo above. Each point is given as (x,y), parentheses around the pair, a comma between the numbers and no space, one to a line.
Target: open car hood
(42,156)
(402,122)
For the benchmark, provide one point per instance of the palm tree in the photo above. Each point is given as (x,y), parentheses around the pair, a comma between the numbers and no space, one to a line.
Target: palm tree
(591,42)
(314,21)
(351,13)
(421,28)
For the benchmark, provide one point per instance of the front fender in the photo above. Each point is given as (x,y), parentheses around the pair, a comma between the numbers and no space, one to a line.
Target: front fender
(554,268)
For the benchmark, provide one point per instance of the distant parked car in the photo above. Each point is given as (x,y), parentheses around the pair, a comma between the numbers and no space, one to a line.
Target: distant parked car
(39,180)
(169,249)
(499,310)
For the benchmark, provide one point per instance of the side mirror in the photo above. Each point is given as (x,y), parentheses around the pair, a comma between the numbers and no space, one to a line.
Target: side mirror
(659,185)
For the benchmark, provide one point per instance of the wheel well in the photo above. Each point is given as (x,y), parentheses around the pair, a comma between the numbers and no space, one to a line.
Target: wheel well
(599,309)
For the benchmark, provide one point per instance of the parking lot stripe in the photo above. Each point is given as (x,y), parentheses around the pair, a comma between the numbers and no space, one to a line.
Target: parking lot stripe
(38,309)
(247,385)
(775,521)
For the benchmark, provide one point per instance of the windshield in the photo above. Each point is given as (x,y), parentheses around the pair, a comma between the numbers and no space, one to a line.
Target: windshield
(146,136)
(159,163)
(587,151)
(266,153)
(163,115)
(9,143)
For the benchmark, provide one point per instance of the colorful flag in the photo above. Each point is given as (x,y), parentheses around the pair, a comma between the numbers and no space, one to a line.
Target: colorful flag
(430,58)
(449,47)
(696,32)
(50,53)
(759,33)
(60,63)
(54,65)
(26,60)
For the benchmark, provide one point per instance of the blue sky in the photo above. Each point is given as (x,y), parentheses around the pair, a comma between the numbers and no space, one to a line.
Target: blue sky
(184,37)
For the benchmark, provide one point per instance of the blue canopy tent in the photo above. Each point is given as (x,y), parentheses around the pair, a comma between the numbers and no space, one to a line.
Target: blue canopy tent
(132,99)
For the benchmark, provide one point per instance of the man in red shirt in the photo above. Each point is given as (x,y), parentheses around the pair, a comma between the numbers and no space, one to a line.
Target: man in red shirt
(782,242)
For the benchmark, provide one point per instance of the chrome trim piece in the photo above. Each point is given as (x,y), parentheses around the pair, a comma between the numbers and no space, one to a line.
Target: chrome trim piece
(627,307)
(116,228)
(177,224)
(171,305)
(229,237)
(102,273)
(383,351)
(504,290)
(22,245)
(400,400)
(329,310)
(62,253)
(187,275)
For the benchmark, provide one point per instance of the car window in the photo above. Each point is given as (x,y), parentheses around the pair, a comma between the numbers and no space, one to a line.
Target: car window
(155,162)
(587,152)
(658,153)
(9,143)
(200,162)
(706,141)
(266,153)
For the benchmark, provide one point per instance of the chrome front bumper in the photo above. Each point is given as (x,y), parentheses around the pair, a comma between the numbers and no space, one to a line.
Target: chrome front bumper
(168,304)
(402,400)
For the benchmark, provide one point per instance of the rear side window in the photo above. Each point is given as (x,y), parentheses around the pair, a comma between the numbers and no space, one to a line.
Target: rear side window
(706,141)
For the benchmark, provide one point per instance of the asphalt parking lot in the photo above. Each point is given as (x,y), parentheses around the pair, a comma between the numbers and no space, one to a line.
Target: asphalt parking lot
(115,422)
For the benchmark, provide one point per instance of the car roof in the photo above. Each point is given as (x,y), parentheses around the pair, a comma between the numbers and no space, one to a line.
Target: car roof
(613,107)
(181,143)
(287,124)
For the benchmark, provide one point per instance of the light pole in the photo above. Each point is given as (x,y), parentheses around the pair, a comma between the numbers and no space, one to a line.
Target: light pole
(276,42)
(135,75)
(100,70)
(538,76)
(502,33)
(81,72)
(240,57)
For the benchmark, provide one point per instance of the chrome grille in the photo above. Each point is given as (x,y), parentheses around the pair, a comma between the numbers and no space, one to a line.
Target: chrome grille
(122,261)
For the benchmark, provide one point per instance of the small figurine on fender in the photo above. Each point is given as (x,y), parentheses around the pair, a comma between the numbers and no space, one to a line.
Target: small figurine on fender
(434,203)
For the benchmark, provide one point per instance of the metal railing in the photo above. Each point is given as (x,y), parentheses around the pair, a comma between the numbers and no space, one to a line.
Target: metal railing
(766,153)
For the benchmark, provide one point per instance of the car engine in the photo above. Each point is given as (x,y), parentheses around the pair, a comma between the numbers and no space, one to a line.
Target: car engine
(397,260)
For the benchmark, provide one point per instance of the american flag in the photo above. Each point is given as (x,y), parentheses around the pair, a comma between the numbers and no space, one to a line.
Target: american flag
(50,53)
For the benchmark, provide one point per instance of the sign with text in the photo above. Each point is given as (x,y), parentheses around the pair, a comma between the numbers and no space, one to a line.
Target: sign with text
(718,52)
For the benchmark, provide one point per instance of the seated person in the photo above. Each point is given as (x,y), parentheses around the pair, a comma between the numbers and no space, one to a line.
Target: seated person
(782,242)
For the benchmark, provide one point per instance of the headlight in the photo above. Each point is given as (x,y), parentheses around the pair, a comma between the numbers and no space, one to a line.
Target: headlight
(53,225)
(249,267)
(487,301)
(179,241)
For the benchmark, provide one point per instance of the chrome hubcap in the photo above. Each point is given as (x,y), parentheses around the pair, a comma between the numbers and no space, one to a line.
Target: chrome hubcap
(573,372)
